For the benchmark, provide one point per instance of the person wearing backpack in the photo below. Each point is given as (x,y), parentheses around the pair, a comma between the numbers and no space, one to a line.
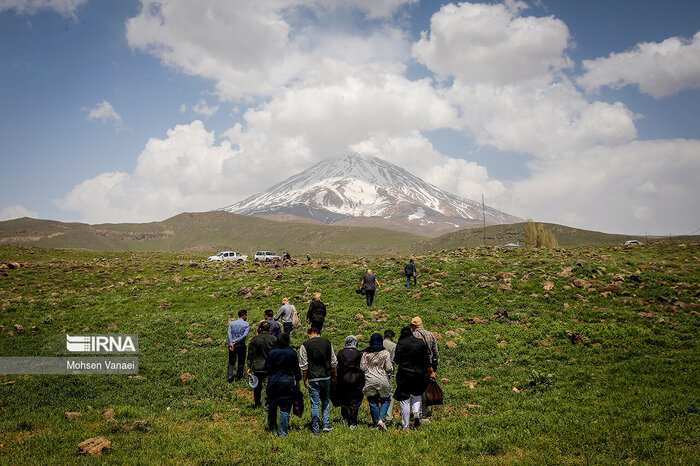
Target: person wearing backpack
(410,271)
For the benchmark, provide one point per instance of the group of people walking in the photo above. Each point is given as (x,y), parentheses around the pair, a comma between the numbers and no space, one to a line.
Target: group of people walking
(347,376)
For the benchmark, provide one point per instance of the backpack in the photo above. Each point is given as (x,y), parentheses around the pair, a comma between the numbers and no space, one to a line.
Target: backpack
(296,321)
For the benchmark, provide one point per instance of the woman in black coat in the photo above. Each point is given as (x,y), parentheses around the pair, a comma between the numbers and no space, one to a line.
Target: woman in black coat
(282,367)
(413,358)
(350,381)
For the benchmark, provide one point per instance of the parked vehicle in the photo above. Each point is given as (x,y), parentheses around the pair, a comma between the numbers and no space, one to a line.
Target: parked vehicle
(228,256)
(631,242)
(265,256)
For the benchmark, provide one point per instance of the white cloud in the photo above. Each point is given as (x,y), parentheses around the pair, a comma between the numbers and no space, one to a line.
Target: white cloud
(492,43)
(373,8)
(105,113)
(180,173)
(183,108)
(600,188)
(249,48)
(548,121)
(15,211)
(658,68)
(66,8)
(203,108)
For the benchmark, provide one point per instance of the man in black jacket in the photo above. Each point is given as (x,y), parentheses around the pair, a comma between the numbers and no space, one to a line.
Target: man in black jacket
(260,346)
(318,365)
(317,313)
(410,271)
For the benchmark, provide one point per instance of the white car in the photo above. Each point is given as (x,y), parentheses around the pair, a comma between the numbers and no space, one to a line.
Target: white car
(264,256)
(228,256)
(631,242)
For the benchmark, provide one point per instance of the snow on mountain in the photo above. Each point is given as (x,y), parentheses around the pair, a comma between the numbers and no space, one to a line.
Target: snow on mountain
(357,185)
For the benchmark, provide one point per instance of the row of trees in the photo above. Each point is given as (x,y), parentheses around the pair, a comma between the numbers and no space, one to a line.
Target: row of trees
(537,236)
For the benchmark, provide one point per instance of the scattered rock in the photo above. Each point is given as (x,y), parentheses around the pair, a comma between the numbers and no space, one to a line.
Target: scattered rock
(359,316)
(137,425)
(416,295)
(470,406)
(196,324)
(548,285)
(451,334)
(187,377)
(451,344)
(515,389)
(661,321)
(18,329)
(610,288)
(575,337)
(502,314)
(13,265)
(504,287)
(502,343)
(72,415)
(94,446)
(648,315)
(445,379)
(475,320)
(112,327)
(109,414)
(182,350)
(470,383)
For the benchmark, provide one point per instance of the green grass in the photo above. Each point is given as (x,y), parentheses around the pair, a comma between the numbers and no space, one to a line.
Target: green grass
(629,392)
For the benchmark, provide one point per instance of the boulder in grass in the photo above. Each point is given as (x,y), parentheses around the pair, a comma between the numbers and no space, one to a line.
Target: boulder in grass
(94,446)
(451,344)
(187,377)
(108,415)
(72,415)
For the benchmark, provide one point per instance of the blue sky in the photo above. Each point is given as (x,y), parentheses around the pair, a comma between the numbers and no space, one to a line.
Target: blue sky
(135,111)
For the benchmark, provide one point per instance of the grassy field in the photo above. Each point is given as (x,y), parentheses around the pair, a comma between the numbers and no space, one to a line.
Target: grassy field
(625,387)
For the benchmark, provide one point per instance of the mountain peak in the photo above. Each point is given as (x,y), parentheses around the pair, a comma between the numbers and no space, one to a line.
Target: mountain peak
(364,186)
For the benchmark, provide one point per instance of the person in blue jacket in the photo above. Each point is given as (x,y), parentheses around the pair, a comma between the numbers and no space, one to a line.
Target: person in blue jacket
(284,374)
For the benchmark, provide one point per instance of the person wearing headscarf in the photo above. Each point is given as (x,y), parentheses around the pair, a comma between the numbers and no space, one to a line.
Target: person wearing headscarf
(351,379)
(413,359)
(282,368)
(377,366)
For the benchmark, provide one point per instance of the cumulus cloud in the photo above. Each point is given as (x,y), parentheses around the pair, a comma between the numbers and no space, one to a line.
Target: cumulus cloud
(15,211)
(249,48)
(105,113)
(203,108)
(182,172)
(658,68)
(65,8)
(637,186)
(492,43)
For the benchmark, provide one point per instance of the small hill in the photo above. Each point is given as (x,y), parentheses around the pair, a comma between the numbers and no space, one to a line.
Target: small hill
(207,232)
(500,235)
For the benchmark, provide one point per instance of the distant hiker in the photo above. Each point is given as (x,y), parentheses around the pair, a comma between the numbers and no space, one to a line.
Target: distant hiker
(316,314)
(259,347)
(286,314)
(318,365)
(413,359)
(431,341)
(237,333)
(308,257)
(287,257)
(391,348)
(376,364)
(351,381)
(369,283)
(410,271)
(282,368)
(275,328)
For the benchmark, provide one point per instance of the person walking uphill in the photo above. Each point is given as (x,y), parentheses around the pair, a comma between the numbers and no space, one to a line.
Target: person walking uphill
(410,271)
(275,328)
(286,314)
(316,314)
(370,285)
(282,368)
(260,346)
(318,365)
(413,359)
(430,340)
(351,380)
(237,333)
(377,366)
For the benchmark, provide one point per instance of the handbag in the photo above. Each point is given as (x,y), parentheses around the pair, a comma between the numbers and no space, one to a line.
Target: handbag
(433,394)
(298,403)
(335,397)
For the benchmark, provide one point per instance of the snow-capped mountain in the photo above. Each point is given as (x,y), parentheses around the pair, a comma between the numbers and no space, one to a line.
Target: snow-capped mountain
(352,189)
